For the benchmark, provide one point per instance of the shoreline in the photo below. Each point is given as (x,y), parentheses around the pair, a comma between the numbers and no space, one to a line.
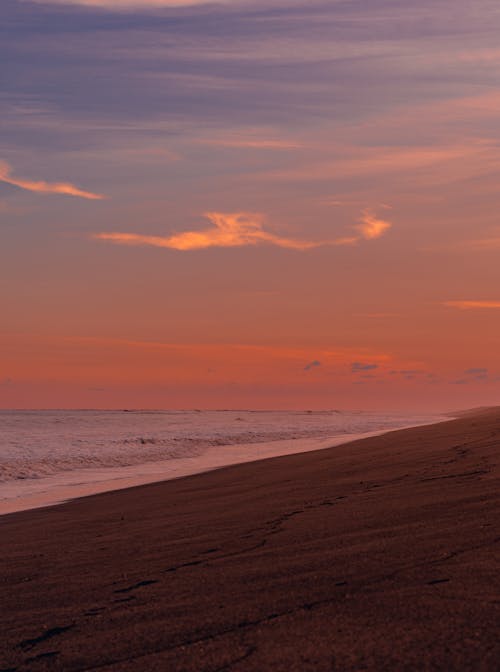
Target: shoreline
(122,478)
(377,554)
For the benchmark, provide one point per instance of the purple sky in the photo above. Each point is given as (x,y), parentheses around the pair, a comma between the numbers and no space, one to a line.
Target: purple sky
(232,204)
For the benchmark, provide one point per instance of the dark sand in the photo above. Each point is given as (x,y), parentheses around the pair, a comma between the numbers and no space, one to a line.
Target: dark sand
(383,554)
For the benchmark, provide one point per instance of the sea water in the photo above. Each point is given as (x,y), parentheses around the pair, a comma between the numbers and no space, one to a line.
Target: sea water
(50,456)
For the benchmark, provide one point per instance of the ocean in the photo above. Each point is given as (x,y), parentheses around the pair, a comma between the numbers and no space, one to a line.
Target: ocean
(50,456)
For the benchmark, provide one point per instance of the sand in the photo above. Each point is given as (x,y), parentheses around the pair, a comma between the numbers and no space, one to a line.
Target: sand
(383,554)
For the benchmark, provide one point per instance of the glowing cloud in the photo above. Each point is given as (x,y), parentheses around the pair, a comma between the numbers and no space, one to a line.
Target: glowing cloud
(41,187)
(471,305)
(233,230)
(228,230)
(371,226)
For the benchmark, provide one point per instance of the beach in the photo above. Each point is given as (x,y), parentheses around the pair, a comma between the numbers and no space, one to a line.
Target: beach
(381,554)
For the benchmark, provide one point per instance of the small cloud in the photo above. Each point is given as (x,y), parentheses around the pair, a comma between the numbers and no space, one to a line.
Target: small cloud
(478,373)
(312,365)
(357,367)
(42,187)
(6,382)
(371,226)
(408,374)
(472,305)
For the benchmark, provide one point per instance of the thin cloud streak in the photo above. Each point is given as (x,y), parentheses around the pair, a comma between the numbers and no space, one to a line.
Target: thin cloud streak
(42,187)
(250,143)
(473,305)
(238,230)
(492,243)
(130,4)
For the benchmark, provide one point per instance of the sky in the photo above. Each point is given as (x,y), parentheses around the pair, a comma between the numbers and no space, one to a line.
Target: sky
(248,204)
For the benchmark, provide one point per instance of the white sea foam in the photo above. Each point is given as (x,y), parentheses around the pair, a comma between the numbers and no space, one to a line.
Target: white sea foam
(49,456)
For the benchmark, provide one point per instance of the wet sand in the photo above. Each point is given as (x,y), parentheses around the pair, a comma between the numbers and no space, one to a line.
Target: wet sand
(382,554)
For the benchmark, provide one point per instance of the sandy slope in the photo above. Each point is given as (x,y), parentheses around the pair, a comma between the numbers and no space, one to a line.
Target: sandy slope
(382,554)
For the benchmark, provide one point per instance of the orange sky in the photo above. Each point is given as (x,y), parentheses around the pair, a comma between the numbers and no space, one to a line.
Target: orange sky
(203,207)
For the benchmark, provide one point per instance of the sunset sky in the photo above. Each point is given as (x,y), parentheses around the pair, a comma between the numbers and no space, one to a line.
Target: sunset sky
(287,204)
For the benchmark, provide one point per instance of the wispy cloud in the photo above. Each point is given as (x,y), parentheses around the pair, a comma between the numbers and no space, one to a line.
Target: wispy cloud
(489,243)
(476,374)
(377,316)
(42,187)
(409,374)
(129,4)
(473,305)
(372,226)
(227,230)
(423,163)
(357,367)
(240,229)
(312,365)
(237,141)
